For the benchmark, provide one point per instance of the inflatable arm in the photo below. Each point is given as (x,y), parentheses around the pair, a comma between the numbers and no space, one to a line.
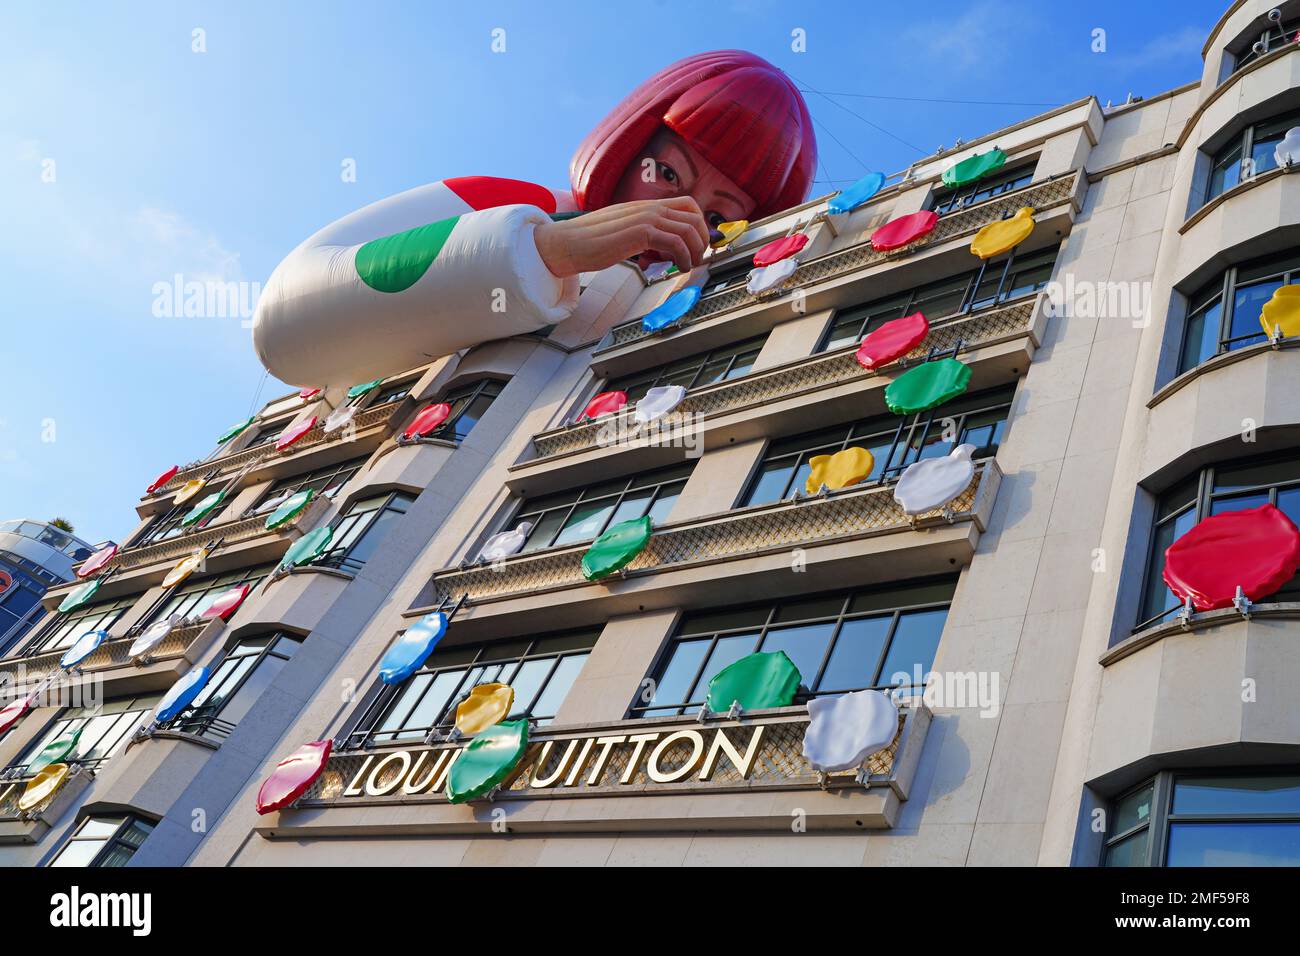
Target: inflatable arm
(409,279)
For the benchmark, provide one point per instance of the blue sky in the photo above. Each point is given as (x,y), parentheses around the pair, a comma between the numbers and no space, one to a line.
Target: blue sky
(216,164)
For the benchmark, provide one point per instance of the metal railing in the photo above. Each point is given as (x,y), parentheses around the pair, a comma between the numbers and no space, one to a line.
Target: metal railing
(966,221)
(236,460)
(823,370)
(744,532)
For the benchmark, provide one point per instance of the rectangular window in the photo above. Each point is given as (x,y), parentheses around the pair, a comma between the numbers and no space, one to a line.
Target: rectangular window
(326,482)
(104,731)
(1247,154)
(1201,818)
(104,841)
(540,670)
(62,630)
(879,638)
(1224,314)
(268,433)
(1230,487)
(584,513)
(895,443)
(951,200)
(194,597)
(468,404)
(704,368)
(235,685)
(728,276)
(167,525)
(387,394)
(1003,282)
(362,529)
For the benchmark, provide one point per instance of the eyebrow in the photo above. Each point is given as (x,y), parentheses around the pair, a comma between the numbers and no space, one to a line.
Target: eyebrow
(726,195)
(695,173)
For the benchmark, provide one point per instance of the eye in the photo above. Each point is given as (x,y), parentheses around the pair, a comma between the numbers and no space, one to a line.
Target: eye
(714,218)
(668,174)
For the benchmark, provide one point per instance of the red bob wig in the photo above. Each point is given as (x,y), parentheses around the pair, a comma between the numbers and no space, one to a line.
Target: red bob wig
(737,110)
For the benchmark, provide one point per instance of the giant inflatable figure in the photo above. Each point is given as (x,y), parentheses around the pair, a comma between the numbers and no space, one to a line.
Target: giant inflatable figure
(712,138)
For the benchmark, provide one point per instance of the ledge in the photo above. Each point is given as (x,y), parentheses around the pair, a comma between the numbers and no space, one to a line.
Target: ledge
(1242,187)
(1285,610)
(1219,361)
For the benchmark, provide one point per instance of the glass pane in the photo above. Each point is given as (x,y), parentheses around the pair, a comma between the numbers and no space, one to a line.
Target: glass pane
(1130,852)
(237,707)
(708,622)
(1289,503)
(1247,303)
(664,502)
(117,856)
(1234,844)
(545,528)
(770,483)
(805,646)
(912,649)
(1202,337)
(1132,810)
(558,687)
(433,703)
(810,609)
(372,537)
(526,682)
(587,521)
(1238,502)
(99,827)
(1256,475)
(1158,597)
(1259,794)
(728,650)
(632,506)
(78,853)
(1226,172)
(857,652)
(679,674)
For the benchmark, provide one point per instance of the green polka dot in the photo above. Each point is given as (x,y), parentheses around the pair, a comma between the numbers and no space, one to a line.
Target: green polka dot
(396,262)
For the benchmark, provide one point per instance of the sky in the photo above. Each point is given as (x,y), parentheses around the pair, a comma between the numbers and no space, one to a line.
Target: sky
(143,141)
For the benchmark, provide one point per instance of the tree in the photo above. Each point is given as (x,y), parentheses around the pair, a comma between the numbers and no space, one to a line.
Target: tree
(63,524)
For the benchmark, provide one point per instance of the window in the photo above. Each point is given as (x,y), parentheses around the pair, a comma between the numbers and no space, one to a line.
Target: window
(104,730)
(980,419)
(104,841)
(584,514)
(193,598)
(843,642)
(950,200)
(1214,490)
(20,601)
(718,365)
(268,433)
(392,392)
(360,531)
(728,276)
(167,525)
(1247,154)
(541,671)
(235,685)
(1224,314)
(1260,40)
(63,629)
(468,404)
(1001,283)
(326,482)
(1199,818)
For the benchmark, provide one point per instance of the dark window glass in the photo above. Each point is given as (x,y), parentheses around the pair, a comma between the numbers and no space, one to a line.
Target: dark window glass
(720,364)
(167,524)
(192,598)
(895,443)
(103,842)
(541,671)
(1002,282)
(362,529)
(326,482)
(235,685)
(468,404)
(1213,327)
(1247,154)
(1215,490)
(104,730)
(1004,181)
(62,630)
(582,515)
(882,638)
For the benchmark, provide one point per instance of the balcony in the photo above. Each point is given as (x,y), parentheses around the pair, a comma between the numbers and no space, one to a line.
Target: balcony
(266,454)
(964,222)
(849,516)
(801,377)
(19,672)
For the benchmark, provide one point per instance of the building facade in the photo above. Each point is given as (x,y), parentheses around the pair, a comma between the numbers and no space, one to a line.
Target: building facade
(1057,706)
(34,556)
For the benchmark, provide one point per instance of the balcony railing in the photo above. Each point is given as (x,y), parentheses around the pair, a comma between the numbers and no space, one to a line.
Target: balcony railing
(237,460)
(23,671)
(230,532)
(744,532)
(809,374)
(963,222)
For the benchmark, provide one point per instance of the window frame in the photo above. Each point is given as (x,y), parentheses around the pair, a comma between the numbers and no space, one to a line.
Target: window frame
(699,361)
(947,200)
(201,719)
(339,556)
(61,722)
(1242,143)
(911,433)
(974,280)
(210,585)
(663,660)
(289,485)
(116,841)
(112,613)
(1163,785)
(363,729)
(1202,505)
